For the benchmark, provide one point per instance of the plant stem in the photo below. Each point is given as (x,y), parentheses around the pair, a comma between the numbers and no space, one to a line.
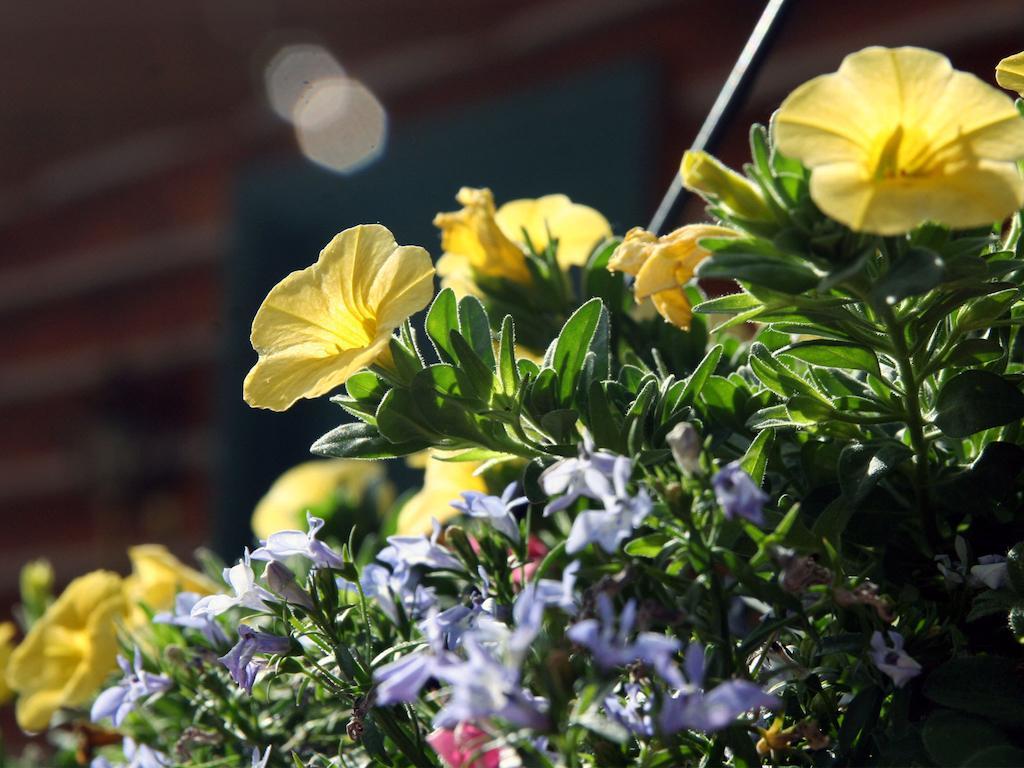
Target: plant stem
(915,424)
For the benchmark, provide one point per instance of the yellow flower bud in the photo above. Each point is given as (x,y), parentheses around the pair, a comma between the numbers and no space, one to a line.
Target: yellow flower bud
(1010,73)
(717,183)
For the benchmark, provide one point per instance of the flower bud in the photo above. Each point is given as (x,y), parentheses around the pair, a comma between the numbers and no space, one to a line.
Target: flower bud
(711,179)
(282,582)
(685,442)
(36,585)
(1010,73)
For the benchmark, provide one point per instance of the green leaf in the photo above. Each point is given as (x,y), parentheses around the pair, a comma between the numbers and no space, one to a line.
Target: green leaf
(834,354)
(695,383)
(733,304)
(739,260)
(980,313)
(975,400)
(988,686)
(399,419)
(993,601)
(862,466)
(917,272)
(860,718)
(1002,756)
(362,441)
(952,738)
(508,373)
(442,319)
(651,545)
(478,376)
(572,345)
(365,385)
(475,327)
(755,460)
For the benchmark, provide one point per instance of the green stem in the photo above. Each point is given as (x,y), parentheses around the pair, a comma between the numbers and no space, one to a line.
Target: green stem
(915,425)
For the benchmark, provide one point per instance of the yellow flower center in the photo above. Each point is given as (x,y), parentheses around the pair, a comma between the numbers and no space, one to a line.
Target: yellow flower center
(354,332)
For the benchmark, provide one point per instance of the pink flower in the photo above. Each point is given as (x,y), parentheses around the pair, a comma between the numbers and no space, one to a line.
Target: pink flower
(462,747)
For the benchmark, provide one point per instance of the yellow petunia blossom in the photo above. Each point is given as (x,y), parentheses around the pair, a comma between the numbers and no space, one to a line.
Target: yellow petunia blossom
(321,324)
(897,137)
(157,577)
(70,650)
(309,485)
(663,265)
(1010,73)
(443,483)
(7,632)
(481,240)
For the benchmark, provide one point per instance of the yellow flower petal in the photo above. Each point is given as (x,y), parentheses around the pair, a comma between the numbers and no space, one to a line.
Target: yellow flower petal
(474,235)
(69,651)
(157,577)
(7,633)
(897,137)
(308,485)
(663,265)
(1010,73)
(577,228)
(443,483)
(321,324)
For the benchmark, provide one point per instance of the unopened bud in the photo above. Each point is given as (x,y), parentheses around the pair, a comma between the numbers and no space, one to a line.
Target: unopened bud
(685,442)
(711,179)
(282,582)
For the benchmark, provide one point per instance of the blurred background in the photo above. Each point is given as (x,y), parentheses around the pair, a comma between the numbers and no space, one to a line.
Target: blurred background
(163,164)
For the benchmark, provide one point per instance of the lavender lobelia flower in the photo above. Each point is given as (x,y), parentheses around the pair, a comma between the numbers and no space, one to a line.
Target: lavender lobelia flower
(240,662)
(138,756)
(586,475)
(550,592)
(621,515)
(483,686)
(258,760)
(991,571)
(393,588)
(632,710)
(282,582)
(243,583)
(497,510)
(892,659)
(182,617)
(403,679)
(608,641)
(691,707)
(283,544)
(411,551)
(685,443)
(738,495)
(120,700)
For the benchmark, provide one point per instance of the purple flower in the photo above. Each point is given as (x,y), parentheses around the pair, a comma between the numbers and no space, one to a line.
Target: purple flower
(632,710)
(240,659)
(691,707)
(738,495)
(608,641)
(260,761)
(497,510)
(283,544)
(991,571)
(483,686)
(247,593)
(551,592)
(621,515)
(393,588)
(118,702)
(892,659)
(138,756)
(182,617)
(282,582)
(587,475)
(411,551)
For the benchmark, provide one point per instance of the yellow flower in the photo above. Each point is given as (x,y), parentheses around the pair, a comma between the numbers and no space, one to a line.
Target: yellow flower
(481,240)
(897,137)
(709,177)
(69,651)
(7,632)
(321,324)
(443,483)
(577,228)
(309,485)
(157,576)
(662,265)
(1010,73)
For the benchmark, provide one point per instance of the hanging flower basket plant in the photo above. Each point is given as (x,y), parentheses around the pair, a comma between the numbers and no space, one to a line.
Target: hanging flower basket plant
(775,527)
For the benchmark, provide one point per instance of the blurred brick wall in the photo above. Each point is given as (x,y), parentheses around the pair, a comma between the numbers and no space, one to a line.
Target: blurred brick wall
(115,181)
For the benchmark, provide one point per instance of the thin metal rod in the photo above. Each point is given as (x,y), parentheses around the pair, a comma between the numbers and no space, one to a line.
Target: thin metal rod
(729,99)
